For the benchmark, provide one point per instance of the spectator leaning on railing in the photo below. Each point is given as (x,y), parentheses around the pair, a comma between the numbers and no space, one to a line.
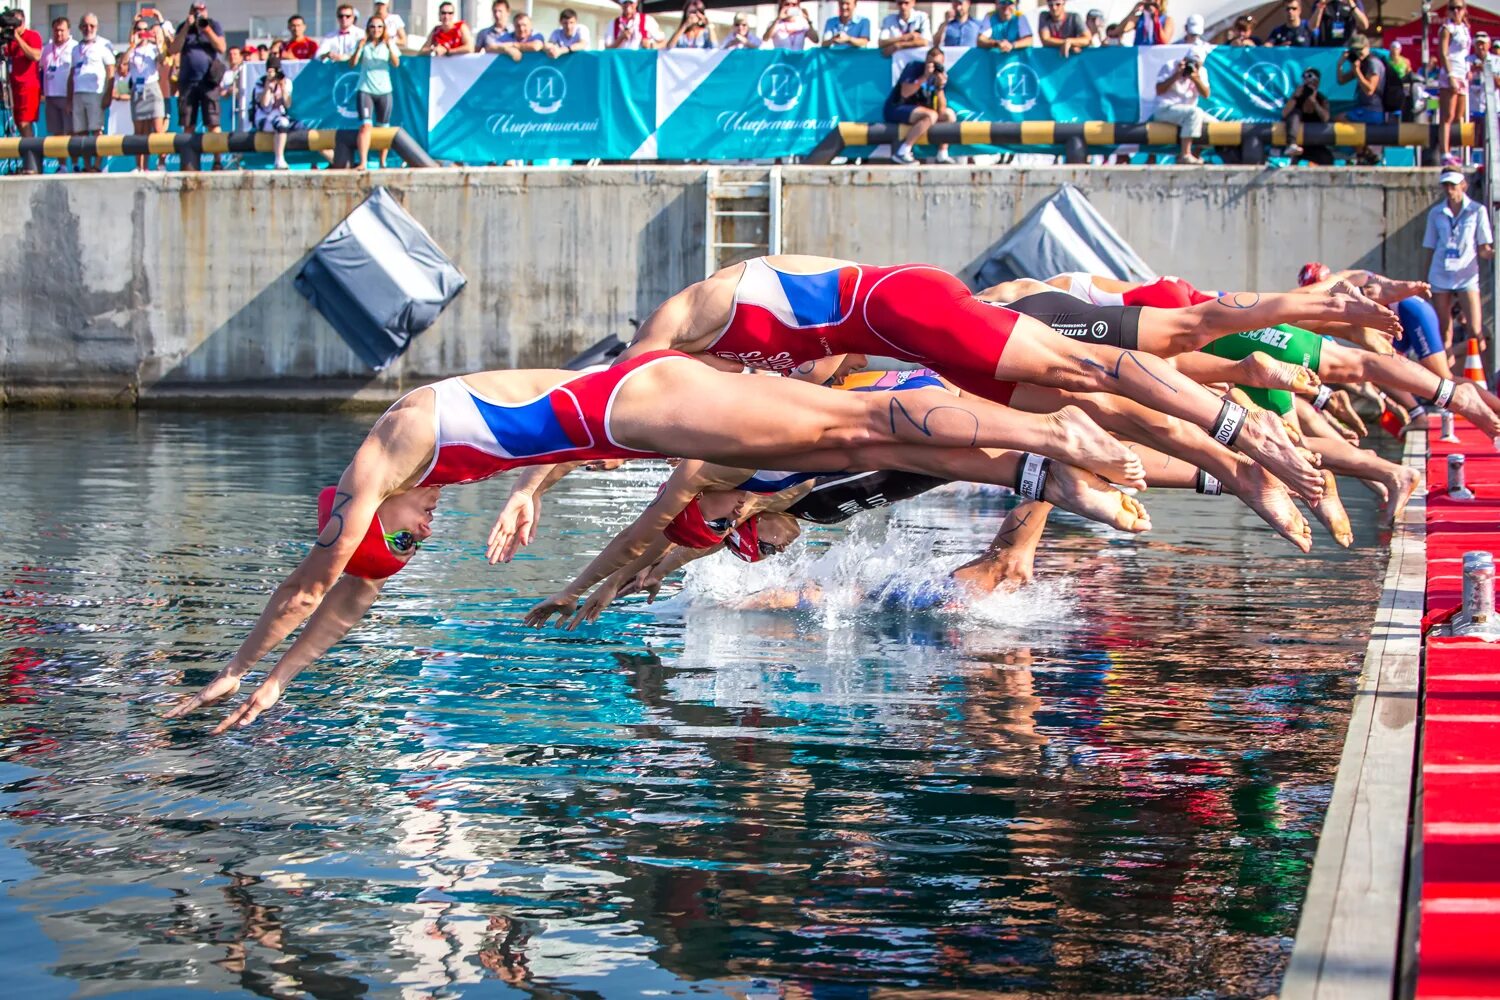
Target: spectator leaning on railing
(741,35)
(375,57)
(340,45)
(451,37)
(199,44)
(270,107)
(1296,32)
(1151,23)
(1093,23)
(1061,30)
(395,24)
(793,29)
(1006,29)
(693,31)
(1334,22)
(568,36)
(1178,88)
(959,29)
(918,99)
(846,31)
(633,29)
(907,28)
(299,46)
(57,73)
(487,39)
(1307,104)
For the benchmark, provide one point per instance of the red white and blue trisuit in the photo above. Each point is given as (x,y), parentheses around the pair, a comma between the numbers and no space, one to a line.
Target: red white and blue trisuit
(912,311)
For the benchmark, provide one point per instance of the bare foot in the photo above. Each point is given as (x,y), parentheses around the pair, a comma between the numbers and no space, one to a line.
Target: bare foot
(1399,485)
(1089,446)
(1086,495)
(1262,493)
(1392,290)
(1005,569)
(1468,404)
(1330,510)
(1359,310)
(1377,488)
(1265,372)
(1341,407)
(1269,441)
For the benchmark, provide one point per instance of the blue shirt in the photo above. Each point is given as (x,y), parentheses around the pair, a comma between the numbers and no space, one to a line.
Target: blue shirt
(511,36)
(963,33)
(857,28)
(1011,31)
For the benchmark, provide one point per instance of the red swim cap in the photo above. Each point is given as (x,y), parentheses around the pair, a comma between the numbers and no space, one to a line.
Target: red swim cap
(744,541)
(690,528)
(1312,272)
(373,560)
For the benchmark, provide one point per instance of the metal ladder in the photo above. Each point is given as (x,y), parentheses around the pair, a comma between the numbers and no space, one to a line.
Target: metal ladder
(743,215)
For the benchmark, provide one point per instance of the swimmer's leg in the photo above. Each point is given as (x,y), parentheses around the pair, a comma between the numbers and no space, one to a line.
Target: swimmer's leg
(1036,353)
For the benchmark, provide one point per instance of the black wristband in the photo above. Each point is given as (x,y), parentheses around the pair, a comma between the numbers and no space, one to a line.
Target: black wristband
(1207,485)
(1230,422)
(1444,393)
(1420,410)
(1031,476)
(1325,393)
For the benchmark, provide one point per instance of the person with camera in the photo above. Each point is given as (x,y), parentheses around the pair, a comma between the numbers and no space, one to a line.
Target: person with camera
(1061,30)
(917,99)
(148,106)
(1006,29)
(1306,104)
(91,84)
(199,45)
(24,52)
(634,29)
(845,31)
(568,36)
(793,29)
(1368,73)
(1295,32)
(271,104)
(1178,88)
(1151,22)
(694,31)
(1334,22)
(906,28)
(741,34)
(375,57)
(57,73)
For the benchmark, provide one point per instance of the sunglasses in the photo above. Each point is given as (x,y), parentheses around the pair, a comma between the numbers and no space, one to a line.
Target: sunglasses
(402,541)
(346,17)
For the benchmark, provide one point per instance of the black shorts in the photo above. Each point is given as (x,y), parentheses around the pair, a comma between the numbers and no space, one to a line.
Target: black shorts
(1111,326)
(195,100)
(376,107)
(838,498)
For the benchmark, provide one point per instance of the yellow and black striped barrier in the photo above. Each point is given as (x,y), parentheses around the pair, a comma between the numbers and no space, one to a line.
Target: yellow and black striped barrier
(343,143)
(1076,138)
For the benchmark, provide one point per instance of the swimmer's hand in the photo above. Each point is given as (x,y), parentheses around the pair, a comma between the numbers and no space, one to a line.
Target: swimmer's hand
(515,527)
(563,604)
(602,597)
(221,687)
(225,683)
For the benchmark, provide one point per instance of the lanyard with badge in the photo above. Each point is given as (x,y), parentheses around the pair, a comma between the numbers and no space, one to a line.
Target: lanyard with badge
(1453,253)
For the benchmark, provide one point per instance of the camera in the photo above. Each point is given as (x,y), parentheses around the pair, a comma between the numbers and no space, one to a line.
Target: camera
(10,20)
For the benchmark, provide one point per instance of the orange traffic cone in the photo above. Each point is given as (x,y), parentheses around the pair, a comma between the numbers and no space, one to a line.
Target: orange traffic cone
(1473,367)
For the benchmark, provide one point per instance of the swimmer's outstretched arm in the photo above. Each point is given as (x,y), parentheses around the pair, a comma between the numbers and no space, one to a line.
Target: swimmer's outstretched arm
(605,594)
(1167,332)
(518,520)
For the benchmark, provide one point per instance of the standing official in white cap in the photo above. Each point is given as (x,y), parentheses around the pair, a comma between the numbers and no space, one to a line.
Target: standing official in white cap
(1460,236)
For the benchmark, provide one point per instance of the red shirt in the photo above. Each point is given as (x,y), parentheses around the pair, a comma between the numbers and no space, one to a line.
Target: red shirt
(302,48)
(24,74)
(450,39)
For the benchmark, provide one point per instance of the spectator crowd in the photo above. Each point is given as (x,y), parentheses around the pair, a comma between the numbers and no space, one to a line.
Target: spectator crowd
(75,80)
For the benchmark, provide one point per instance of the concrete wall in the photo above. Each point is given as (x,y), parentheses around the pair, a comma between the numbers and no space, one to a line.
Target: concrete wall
(168,287)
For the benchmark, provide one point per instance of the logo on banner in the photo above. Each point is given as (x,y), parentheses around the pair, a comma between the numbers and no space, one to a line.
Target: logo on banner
(1266,85)
(345,95)
(1017,87)
(780,87)
(545,89)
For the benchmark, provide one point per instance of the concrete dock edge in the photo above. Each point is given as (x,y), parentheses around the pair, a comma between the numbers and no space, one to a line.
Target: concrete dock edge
(1354,938)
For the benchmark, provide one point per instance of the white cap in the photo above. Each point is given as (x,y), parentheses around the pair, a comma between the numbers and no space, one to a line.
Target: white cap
(1194,24)
(1451,177)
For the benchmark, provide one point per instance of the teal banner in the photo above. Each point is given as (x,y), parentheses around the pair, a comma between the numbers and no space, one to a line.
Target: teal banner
(748,104)
(489,109)
(1253,84)
(1038,84)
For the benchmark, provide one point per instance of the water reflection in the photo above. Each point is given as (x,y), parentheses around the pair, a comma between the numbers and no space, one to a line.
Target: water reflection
(1110,784)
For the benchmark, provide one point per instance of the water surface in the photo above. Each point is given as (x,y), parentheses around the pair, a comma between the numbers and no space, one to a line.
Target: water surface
(1110,783)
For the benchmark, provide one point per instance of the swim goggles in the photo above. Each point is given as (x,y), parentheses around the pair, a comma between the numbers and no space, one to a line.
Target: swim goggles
(402,541)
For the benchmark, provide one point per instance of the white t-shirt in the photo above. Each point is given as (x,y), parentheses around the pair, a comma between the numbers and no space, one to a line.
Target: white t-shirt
(145,59)
(341,43)
(894,26)
(57,65)
(1454,243)
(580,36)
(1183,93)
(394,24)
(790,34)
(731,41)
(652,30)
(92,61)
